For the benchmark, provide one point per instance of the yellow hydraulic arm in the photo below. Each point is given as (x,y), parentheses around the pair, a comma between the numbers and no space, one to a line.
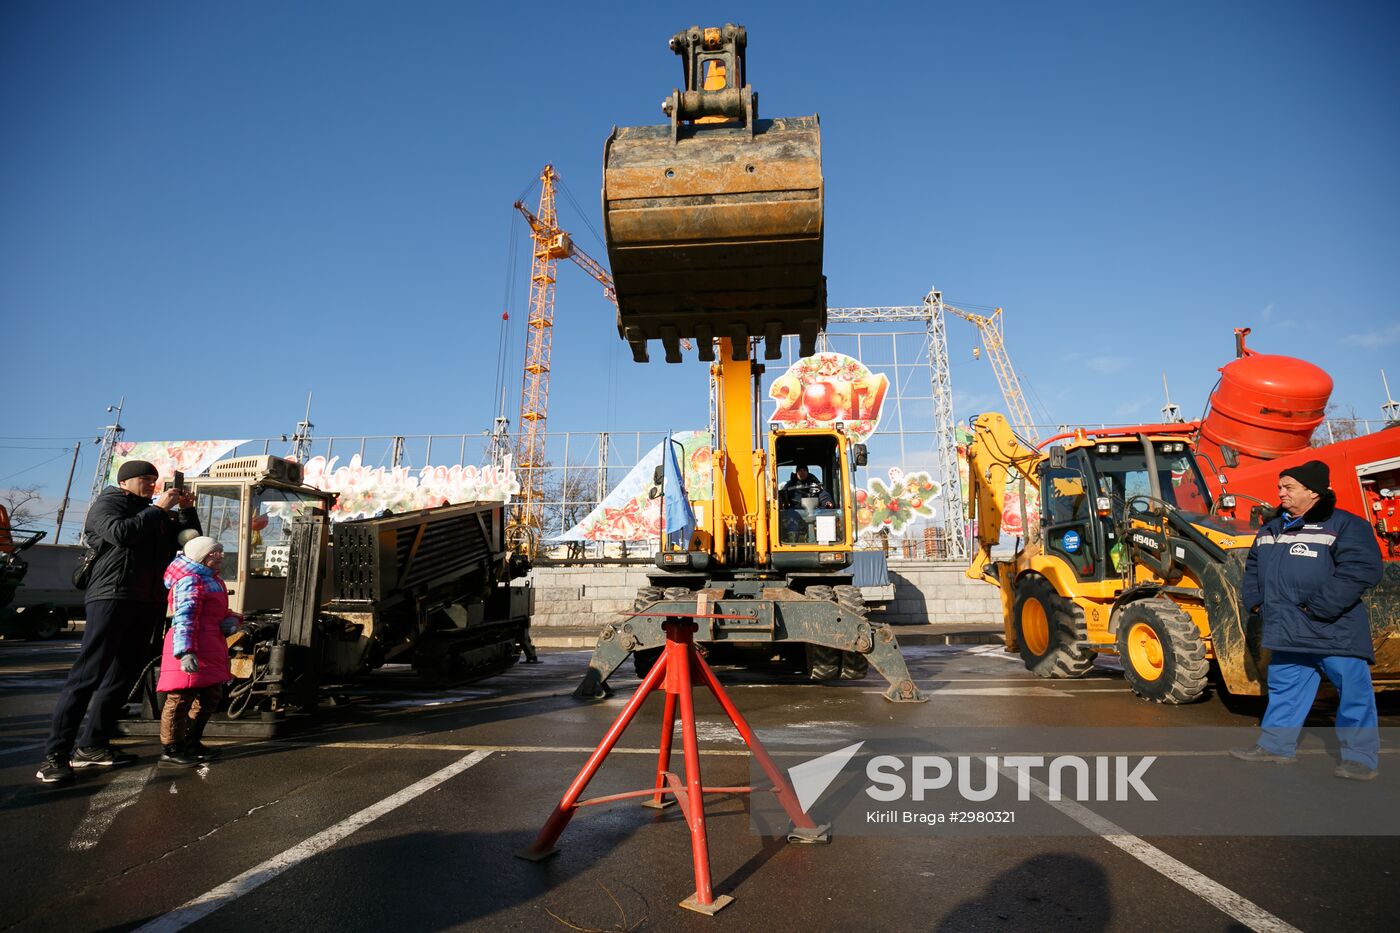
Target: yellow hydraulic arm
(739,521)
(994,452)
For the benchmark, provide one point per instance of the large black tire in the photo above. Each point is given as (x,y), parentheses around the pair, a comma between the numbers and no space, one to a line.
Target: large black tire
(644,658)
(647,594)
(854,665)
(1049,631)
(45,623)
(1164,658)
(825,663)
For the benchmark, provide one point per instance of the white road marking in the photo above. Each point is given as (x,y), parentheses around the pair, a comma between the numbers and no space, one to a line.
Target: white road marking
(998,692)
(1207,889)
(22,748)
(255,877)
(1026,691)
(32,682)
(555,750)
(106,804)
(423,701)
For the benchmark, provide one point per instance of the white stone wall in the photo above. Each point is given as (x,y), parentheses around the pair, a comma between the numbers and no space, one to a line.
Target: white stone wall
(924,592)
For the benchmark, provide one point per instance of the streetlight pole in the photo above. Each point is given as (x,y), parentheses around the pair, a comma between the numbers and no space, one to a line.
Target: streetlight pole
(67,489)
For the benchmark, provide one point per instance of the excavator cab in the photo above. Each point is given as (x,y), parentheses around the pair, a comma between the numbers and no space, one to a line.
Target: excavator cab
(811,517)
(713,222)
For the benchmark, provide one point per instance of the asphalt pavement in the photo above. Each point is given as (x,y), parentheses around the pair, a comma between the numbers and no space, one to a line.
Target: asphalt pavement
(402,808)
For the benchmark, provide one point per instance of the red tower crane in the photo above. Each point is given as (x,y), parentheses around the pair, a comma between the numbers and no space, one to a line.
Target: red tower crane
(550,245)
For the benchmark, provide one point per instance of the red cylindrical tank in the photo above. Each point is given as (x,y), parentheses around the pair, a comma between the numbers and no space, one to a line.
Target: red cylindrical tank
(1266,406)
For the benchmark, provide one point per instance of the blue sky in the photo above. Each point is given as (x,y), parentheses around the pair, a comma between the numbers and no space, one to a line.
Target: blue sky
(215,208)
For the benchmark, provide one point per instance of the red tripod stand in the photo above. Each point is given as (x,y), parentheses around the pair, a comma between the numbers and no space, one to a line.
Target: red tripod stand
(676,672)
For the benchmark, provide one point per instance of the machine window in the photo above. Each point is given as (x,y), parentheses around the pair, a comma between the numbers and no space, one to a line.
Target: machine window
(1182,485)
(1068,513)
(273,511)
(220,511)
(1124,476)
(1065,500)
(810,497)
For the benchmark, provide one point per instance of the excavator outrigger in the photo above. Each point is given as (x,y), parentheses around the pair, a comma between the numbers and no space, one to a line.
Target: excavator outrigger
(713,226)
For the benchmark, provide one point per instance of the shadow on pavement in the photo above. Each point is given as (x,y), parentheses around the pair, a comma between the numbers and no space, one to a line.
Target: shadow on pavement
(427,881)
(1054,891)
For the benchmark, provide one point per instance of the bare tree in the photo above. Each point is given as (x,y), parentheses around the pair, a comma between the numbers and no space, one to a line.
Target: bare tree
(22,503)
(1339,425)
(569,495)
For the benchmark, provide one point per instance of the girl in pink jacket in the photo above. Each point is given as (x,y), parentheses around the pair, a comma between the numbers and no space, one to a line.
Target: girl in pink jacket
(194,662)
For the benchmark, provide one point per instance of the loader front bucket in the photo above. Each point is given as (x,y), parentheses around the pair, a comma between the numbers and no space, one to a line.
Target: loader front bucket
(1383,606)
(715,230)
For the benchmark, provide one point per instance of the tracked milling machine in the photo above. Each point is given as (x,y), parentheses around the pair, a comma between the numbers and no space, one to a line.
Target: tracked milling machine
(323,603)
(1133,556)
(713,225)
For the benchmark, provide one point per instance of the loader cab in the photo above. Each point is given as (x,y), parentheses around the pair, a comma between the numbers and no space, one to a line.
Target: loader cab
(251,513)
(811,518)
(1094,494)
(1067,515)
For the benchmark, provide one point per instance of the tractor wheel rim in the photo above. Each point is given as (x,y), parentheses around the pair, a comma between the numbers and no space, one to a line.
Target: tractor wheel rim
(1035,627)
(1145,651)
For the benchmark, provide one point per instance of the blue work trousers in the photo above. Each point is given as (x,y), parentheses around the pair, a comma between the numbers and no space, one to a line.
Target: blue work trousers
(1293,681)
(117,642)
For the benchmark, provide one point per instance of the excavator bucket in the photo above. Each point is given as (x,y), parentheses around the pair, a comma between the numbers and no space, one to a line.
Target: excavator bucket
(714,222)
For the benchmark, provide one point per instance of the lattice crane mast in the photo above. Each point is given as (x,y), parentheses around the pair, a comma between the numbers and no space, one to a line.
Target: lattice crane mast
(560,245)
(534,390)
(551,244)
(990,327)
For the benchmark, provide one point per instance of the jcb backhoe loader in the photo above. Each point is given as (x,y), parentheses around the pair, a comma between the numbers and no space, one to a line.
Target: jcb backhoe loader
(714,232)
(1130,557)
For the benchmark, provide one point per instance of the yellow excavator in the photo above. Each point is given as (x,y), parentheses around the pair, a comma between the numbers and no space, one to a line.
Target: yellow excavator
(713,224)
(1131,556)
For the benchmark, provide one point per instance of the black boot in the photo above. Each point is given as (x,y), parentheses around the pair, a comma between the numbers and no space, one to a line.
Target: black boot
(195,747)
(175,755)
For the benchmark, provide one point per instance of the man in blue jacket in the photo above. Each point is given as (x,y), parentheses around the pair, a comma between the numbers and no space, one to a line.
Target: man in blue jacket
(1305,574)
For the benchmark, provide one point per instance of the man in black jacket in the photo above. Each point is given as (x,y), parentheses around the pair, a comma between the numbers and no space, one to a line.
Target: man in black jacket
(135,540)
(1305,574)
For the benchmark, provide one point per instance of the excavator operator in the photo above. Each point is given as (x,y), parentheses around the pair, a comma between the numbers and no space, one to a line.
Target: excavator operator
(803,485)
(796,523)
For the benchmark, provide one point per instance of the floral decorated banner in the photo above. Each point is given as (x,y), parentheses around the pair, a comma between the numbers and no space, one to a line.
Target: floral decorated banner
(628,513)
(189,457)
(368,491)
(893,508)
(827,389)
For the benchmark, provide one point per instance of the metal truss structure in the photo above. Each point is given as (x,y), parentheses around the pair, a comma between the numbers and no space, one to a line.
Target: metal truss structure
(931,314)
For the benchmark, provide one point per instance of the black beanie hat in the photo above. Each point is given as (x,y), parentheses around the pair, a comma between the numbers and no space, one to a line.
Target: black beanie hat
(1313,474)
(134,468)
